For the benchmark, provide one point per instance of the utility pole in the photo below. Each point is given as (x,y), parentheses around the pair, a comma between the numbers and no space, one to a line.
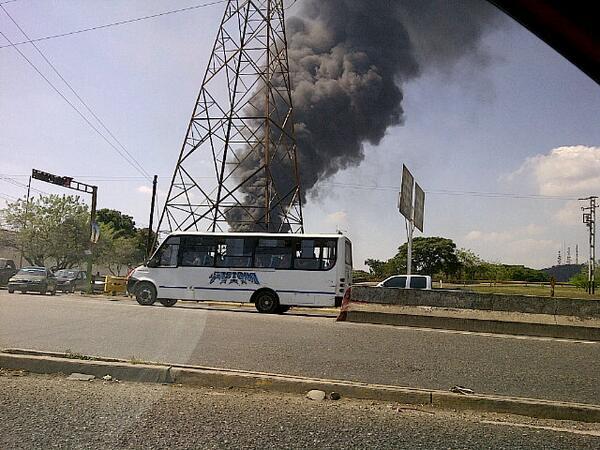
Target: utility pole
(25,220)
(589,218)
(150,224)
(94,234)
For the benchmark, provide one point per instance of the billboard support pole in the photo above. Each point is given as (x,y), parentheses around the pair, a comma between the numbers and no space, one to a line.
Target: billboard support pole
(410,228)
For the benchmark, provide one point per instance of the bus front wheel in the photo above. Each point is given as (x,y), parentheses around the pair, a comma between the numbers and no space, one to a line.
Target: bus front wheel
(266,302)
(145,293)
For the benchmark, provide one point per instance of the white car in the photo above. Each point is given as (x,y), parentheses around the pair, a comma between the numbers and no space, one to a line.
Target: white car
(422,282)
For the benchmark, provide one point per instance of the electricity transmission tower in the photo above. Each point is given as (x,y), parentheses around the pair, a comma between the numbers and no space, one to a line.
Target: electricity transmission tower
(237,168)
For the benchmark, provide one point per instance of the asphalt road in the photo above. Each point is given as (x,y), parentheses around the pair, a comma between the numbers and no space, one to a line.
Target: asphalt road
(52,412)
(300,344)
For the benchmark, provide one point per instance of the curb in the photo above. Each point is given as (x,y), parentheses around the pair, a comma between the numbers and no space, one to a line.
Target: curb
(46,363)
(475,325)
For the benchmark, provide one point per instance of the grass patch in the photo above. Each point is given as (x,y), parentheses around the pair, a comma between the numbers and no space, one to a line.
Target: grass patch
(74,355)
(135,360)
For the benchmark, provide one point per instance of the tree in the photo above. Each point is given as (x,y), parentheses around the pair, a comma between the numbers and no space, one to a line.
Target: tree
(377,268)
(117,253)
(471,264)
(141,237)
(430,256)
(581,279)
(51,230)
(121,224)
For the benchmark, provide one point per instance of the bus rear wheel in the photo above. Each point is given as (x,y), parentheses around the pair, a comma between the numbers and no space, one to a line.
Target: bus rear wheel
(145,293)
(266,302)
(167,301)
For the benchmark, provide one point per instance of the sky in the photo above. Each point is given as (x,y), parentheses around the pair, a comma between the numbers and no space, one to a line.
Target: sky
(503,149)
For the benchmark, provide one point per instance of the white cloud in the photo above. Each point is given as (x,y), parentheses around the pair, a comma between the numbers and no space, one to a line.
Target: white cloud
(570,213)
(522,245)
(534,229)
(572,170)
(488,236)
(337,218)
(144,189)
(525,232)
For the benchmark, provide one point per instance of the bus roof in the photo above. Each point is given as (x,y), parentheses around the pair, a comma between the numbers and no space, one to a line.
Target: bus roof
(254,234)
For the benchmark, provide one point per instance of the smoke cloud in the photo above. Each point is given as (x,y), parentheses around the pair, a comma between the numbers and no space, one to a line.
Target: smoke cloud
(349,60)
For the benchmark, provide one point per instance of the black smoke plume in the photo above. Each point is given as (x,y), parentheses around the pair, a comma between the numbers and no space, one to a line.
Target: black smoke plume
(349,60)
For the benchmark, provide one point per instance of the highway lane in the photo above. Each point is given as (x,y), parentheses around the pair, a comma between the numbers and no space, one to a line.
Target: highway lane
(301,344)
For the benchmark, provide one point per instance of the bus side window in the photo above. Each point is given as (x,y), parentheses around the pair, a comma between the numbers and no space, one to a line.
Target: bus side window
(273,253)
(198,251)
(328,254)
(235,252)
(166,255)
(307,255)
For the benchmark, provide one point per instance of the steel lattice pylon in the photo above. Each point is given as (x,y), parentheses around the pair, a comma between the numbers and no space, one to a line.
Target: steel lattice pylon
(242,128)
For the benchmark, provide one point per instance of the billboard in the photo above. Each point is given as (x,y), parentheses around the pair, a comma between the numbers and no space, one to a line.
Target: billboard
(406,194)
(419,207)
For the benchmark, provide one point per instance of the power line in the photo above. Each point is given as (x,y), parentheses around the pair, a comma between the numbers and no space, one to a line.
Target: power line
(70,104)
(114,24)
(139,166)
(19,184)
(351,186)
(8,197)
(449,192)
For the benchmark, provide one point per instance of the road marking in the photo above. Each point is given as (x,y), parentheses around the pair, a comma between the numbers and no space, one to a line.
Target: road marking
(542,427)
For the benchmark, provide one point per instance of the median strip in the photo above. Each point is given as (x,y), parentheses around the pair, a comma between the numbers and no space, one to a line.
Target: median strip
(51,362)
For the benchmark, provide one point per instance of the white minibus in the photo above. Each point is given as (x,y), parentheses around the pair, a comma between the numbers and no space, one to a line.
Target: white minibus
(272,270)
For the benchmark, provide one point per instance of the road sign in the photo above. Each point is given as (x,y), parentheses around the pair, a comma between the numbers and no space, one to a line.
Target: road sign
(419,207)
(406,194)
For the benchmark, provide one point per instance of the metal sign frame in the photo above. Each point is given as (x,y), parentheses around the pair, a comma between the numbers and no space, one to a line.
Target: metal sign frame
(405,203)
(419,207)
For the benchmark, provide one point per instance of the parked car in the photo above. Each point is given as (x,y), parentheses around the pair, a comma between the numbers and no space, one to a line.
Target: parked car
(33,279)
(71,280)
(7,270)
(422,282)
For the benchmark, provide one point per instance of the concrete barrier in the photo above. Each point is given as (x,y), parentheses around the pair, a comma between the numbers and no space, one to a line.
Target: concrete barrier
(471,300)
(479,325)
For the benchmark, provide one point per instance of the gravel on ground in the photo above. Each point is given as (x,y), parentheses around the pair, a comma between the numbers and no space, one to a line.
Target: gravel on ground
(44,411)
